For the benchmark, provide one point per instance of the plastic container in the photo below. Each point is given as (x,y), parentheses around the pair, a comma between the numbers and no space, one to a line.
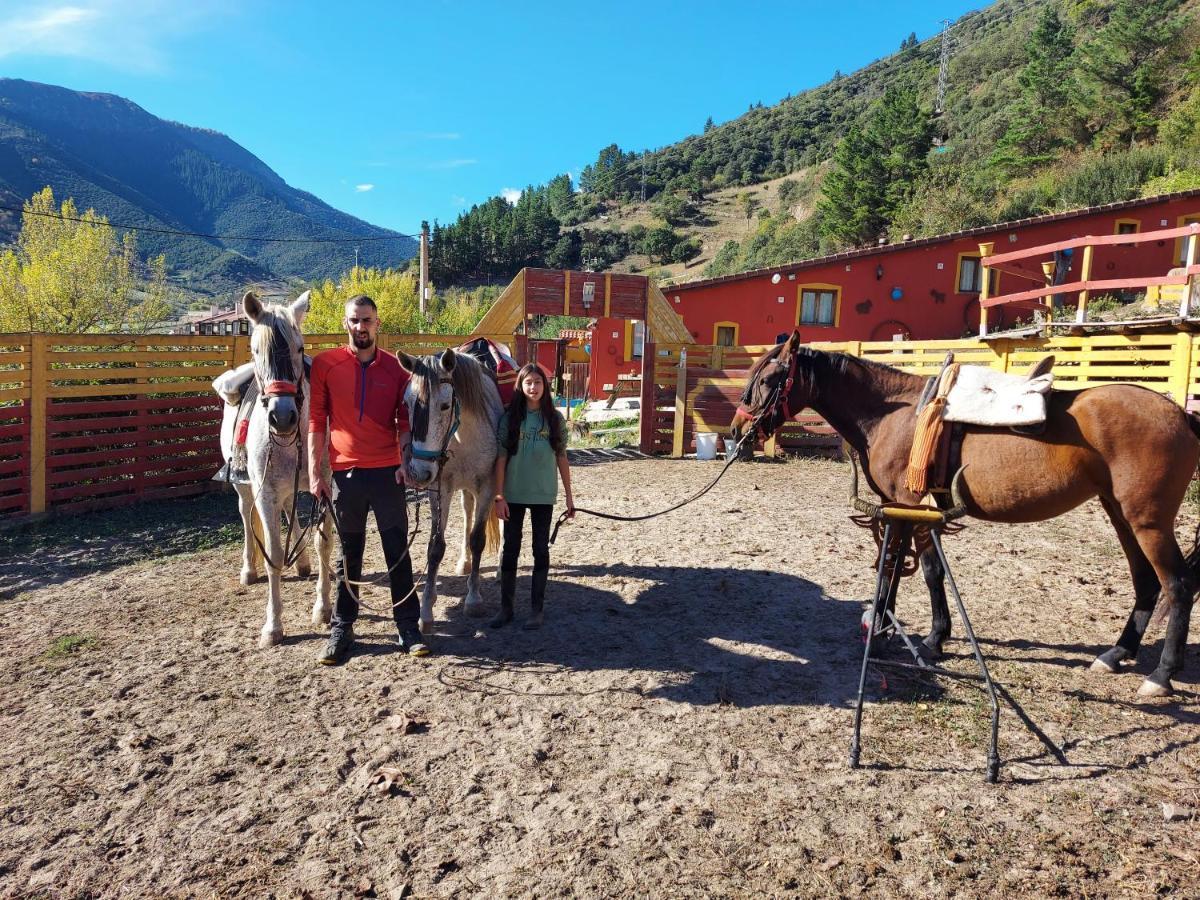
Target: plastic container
(706,445)
(730,447)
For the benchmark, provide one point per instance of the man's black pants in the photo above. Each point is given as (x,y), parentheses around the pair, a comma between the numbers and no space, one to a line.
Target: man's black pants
(355,492)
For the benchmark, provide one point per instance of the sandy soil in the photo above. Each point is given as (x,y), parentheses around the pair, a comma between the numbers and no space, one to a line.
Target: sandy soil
(679,727)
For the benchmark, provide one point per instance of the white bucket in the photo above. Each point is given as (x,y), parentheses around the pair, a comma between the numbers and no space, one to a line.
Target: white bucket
(706,445)
(730,447)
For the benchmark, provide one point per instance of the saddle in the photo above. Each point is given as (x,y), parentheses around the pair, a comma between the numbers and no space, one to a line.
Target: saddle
(971,395)
(495,358)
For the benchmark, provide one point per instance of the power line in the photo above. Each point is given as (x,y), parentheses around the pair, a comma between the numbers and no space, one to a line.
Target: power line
(215,237)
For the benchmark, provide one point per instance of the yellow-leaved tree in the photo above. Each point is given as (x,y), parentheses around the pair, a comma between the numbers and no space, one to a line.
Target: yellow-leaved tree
(69,277)
(395,294)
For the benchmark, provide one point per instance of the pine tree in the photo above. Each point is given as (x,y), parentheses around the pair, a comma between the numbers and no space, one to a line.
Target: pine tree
(1119,79)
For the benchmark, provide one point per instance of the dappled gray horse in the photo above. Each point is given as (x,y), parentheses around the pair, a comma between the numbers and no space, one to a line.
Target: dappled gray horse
(276,447)
(453,408)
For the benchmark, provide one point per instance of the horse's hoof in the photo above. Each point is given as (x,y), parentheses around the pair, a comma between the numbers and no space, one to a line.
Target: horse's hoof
(463,567)
(269,639)
(249,578)
(321,616)
(304,571)
(473,608)
(426,626)
(1099,665)
(533,623)
(1151,689)
(928,653)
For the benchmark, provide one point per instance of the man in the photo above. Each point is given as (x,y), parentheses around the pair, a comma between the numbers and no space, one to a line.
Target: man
(358,401)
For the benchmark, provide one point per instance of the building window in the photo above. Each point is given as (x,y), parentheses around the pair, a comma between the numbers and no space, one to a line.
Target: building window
(725,334)
(1127,226)
(970,272)
(1181,243)
(818,304)
(639,339)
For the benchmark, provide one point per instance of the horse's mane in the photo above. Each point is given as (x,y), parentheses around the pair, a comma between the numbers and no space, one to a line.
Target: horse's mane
(470,381)
(262,338)
(811,363)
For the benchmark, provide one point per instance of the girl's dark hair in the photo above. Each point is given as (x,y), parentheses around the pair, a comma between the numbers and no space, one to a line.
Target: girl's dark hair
(518,406)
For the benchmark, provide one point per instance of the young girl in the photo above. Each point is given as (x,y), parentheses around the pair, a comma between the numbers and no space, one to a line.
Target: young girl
(533,444)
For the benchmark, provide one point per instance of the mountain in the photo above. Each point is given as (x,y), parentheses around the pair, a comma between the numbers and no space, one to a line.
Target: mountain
(111,155)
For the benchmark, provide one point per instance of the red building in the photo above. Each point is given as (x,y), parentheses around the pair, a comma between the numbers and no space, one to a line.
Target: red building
(921,289)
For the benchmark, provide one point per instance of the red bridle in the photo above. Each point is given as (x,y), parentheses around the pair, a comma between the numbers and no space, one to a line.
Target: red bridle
(275,388)
(781,400)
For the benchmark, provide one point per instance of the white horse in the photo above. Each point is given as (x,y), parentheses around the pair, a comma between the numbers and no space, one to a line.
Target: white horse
(454,408)
(276,445)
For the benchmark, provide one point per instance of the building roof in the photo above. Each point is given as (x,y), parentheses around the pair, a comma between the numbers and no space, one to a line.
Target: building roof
(936,239)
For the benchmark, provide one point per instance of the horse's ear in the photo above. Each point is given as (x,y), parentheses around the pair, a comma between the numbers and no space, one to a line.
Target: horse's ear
(252,306)
(299,308)
(407,363)
(793,342)
(447,360)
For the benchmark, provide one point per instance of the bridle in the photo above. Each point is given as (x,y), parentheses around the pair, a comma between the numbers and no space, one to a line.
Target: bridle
(442,454)
(777,402)
(281,364)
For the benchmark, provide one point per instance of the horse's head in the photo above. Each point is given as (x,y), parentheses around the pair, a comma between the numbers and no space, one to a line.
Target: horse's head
(769,398)
(433,412)
(277,346)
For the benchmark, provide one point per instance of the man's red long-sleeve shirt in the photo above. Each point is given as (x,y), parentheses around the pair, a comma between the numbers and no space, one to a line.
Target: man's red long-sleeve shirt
(361,406)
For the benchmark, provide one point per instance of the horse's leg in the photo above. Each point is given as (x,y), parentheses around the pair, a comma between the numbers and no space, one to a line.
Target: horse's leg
(268,511)
(1178,588)
(250,554)
(303,560)
(321,607)
(439,512)
(467,564)
(478,540)
(1145,593)
(935,580)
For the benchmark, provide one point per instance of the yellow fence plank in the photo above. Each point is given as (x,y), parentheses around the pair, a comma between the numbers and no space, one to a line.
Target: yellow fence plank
(123,390)
(207,371)
(9,394)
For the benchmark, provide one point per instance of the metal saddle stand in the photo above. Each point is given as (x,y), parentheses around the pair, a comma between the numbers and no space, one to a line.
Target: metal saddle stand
(906,532)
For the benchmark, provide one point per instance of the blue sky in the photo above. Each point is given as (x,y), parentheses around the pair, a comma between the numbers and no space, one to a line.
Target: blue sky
(398,112)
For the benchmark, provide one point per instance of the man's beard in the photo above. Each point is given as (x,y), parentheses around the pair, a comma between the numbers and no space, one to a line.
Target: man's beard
(362,341)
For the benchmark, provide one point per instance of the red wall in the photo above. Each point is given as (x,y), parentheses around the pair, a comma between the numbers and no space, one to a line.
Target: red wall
(608,356)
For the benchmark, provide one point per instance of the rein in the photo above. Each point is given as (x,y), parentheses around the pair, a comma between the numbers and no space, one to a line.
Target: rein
(566,514)
(442,454)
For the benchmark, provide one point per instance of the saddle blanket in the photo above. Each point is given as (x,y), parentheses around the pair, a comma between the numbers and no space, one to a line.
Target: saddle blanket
(983,396)
(497,360)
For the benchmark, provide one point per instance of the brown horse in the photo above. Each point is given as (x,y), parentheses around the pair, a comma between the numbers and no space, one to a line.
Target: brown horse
(1131,447)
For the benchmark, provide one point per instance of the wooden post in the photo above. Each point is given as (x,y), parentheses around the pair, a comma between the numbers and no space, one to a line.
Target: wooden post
(649,398)
(38,388)
(1048,272)
(1185,302)
(680,404)
(985,287)
(854,348)
(1085,274)
(423,286)
(1181,364)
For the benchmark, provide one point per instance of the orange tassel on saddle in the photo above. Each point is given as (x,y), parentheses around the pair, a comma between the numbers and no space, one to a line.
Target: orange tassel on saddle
(928,434)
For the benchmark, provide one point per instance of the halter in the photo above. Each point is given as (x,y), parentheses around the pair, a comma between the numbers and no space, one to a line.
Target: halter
(778,400)
(281,363)
(442,454)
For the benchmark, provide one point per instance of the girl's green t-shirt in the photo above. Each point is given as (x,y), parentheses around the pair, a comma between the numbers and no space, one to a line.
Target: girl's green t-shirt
(531,475)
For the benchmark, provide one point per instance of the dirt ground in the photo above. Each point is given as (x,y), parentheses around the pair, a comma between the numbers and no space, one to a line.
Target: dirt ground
(679,727)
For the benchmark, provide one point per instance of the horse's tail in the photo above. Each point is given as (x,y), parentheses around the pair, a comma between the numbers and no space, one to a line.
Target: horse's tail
(1193,421)
(493,532)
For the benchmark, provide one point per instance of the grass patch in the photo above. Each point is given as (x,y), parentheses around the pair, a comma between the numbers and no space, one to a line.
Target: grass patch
(69,644)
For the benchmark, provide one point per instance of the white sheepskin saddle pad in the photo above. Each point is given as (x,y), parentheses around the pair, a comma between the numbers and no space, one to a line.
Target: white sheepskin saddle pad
(983,396)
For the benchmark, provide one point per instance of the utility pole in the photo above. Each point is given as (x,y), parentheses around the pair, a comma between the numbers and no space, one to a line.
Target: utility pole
(356,257)
(943,69)
(424,284)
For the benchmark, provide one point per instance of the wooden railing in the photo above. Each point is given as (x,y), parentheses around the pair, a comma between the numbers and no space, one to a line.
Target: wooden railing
(690,389)
(1040,299)
(89,421)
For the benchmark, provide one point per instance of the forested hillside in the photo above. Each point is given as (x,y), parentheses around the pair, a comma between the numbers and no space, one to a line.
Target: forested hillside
(1050,105)
(110,155)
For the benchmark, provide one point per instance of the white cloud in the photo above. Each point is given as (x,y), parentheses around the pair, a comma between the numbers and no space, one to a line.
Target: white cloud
(452,163)
(512,195)
(123,34)
(363,188)
(458,201)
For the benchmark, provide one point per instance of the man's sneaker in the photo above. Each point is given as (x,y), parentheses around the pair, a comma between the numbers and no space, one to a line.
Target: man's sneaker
(338,646)
(412,643)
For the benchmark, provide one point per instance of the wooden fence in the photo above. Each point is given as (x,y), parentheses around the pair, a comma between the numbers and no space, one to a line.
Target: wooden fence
(92,421)
(690,389)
